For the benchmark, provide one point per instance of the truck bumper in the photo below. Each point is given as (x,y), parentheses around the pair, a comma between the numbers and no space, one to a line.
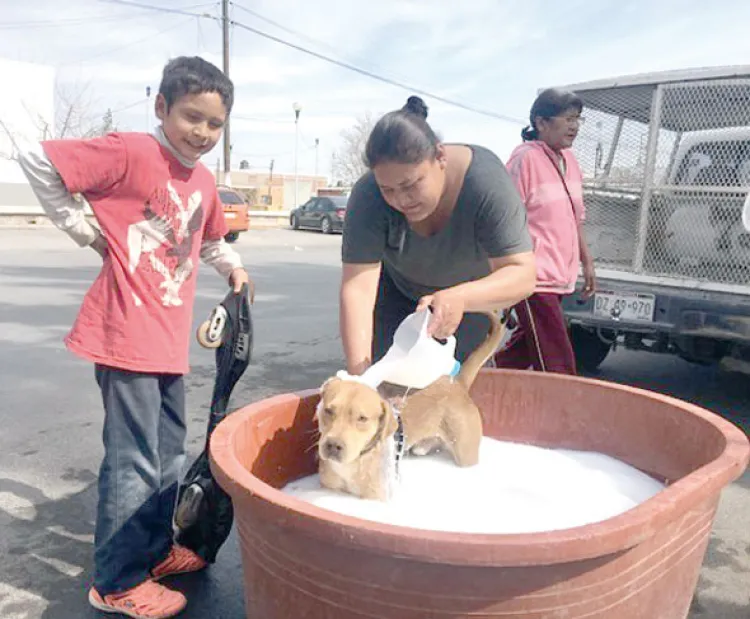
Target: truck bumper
(678,312)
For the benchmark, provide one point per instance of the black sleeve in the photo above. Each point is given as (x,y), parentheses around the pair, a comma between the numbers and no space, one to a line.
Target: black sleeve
(365,224)
(501,227)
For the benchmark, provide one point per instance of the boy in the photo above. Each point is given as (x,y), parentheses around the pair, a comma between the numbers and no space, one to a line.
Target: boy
(159,213)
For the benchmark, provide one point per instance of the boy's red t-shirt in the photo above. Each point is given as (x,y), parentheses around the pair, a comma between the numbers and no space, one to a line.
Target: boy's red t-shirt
(155,214)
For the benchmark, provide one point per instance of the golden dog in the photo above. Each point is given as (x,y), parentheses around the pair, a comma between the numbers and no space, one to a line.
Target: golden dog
(357,450)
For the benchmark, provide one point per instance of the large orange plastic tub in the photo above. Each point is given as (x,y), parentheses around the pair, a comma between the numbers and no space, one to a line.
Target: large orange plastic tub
(304,562)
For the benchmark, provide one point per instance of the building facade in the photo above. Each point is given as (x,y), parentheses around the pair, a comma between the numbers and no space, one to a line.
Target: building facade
(273,192)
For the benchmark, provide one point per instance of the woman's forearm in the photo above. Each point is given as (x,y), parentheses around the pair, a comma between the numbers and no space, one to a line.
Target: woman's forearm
(512,280)
(583,246)
(356,333)
(356,306)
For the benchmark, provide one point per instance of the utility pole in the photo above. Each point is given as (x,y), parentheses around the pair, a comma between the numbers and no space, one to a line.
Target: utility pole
(227,139)
(297,108)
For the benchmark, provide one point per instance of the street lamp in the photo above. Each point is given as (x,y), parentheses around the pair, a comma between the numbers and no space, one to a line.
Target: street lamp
(317,144)
(297,109)
(148,109)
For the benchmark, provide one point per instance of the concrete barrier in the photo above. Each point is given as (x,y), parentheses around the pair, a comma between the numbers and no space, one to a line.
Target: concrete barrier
(269,219)
(23,216)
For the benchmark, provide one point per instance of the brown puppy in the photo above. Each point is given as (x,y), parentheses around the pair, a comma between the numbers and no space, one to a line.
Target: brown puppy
(356,447)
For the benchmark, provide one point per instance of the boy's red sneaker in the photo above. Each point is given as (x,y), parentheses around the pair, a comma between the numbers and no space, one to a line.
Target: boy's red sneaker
(149,600)
(180,560)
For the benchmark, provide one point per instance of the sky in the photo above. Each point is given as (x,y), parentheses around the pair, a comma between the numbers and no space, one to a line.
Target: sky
(490,55)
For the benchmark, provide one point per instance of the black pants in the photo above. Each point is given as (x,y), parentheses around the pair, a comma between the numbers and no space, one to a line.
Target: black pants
(392,306)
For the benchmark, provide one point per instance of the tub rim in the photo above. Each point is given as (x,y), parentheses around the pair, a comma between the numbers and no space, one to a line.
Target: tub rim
(609,536)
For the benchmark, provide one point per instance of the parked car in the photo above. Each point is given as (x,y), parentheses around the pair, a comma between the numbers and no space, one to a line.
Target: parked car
(325,214)
(236,212)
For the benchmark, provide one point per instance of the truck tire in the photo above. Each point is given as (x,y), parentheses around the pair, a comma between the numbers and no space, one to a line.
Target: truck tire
(589,349)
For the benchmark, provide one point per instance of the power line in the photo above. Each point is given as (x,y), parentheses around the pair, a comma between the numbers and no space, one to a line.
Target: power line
(285,28)
(339,63)
(161,9)
(375,76)
(262,155)
(109,110)
(80,21)
(76,21)
(112,50)
(140,101)
(319,43)
(263,119)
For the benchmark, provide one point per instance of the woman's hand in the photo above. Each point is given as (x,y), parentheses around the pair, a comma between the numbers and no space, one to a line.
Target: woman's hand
(589,278)
(587,262)
(448,307)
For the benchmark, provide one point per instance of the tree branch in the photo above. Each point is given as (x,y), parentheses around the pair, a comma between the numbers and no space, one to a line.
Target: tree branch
(348,162)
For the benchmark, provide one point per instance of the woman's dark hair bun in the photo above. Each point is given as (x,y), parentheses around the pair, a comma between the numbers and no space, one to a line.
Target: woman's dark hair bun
(529,134)
(415,105)
(403,136)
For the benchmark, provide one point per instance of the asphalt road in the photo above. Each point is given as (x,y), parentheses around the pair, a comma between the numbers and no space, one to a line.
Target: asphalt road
(50,417)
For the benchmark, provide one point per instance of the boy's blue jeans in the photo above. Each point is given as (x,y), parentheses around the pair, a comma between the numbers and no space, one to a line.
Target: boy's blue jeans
(144,452)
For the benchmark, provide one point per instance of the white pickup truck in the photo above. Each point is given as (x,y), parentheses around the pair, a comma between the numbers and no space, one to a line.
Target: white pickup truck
(666,163)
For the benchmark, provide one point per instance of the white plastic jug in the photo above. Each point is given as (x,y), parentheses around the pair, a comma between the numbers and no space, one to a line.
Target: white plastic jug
(415,359)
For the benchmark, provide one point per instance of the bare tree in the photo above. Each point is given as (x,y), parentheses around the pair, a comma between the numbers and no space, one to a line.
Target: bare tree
(11,150)
(74,118)
(348,160)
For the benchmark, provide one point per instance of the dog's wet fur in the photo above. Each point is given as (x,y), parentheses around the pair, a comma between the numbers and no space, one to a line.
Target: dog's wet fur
(357,424)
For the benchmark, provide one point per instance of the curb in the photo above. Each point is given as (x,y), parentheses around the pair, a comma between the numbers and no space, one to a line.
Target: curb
(28,222)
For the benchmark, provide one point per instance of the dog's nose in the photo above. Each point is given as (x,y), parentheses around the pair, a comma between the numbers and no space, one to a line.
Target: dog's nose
(333,449)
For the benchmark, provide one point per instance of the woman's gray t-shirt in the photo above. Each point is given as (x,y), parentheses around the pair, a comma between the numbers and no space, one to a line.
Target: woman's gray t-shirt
(488,221)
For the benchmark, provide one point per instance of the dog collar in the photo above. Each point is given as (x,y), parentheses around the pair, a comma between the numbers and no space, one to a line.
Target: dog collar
(400,439)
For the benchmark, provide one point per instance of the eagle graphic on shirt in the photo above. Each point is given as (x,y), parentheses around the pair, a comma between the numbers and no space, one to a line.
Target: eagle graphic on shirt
(175,229)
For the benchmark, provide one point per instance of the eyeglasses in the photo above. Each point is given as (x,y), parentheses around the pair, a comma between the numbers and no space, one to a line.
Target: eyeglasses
(573,120)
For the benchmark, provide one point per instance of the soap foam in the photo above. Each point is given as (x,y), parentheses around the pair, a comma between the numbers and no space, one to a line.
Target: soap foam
(515,488)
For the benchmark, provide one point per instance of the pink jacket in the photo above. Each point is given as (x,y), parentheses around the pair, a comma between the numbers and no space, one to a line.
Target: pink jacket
(552,219)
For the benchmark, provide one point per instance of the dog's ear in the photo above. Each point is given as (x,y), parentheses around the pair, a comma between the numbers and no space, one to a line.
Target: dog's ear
(391,425)
(329,381)
(318,410)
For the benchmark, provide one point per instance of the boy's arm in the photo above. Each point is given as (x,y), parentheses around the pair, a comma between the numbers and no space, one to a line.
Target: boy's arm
(63,210)
(217,253)
(57,169)
(227,262)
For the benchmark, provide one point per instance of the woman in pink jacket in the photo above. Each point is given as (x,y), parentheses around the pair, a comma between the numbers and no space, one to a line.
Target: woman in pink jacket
(548,177)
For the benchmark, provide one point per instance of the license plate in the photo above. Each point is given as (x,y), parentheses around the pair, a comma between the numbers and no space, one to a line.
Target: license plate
(230,215)
(625,306)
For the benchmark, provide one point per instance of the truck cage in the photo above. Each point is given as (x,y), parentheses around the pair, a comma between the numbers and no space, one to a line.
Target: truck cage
(666,164)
